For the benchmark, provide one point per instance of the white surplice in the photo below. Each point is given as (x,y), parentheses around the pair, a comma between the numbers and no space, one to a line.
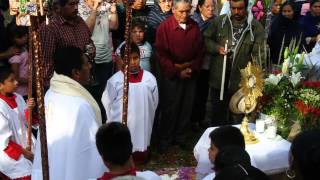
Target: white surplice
(71,129)
(13,127)
(143,101)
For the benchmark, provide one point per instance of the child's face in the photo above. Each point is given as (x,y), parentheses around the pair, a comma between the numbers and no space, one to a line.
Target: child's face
(134,62)
(137,35)
(21,41)
(9,85)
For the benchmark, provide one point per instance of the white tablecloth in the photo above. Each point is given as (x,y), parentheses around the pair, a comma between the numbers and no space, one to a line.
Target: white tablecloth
(270,156)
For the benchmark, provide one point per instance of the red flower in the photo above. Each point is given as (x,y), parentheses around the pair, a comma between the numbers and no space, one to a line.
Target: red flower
(315,84)
(305,109)
(276,71)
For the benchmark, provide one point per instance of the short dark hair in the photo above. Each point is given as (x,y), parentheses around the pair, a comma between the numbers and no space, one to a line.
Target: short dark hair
(114,144)
(226,136)
(231,155)
(62,3)
(305,150)
(15,31)
(312,2)
(67,59)
(134,49)
(200,3)
(138,23)
(293,6)
(245,2)
(5,73)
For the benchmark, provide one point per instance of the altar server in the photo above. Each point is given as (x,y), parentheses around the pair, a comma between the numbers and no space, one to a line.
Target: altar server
(72,117)
(115,147)
(143,100)
(15,155)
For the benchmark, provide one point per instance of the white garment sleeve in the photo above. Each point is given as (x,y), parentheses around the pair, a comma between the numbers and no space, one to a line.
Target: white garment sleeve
(5,132)
(155,95)
(86,161)
(108,97)
(148,175)
(6,163)
(8,166)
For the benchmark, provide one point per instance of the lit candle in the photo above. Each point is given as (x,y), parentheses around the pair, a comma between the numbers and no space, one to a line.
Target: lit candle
(224,70)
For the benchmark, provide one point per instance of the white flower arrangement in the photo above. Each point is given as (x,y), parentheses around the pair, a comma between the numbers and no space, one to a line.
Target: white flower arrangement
(274,79)
(169,177)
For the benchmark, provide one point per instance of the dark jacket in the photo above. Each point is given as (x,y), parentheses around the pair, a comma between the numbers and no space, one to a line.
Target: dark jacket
(155,17)
(282,27)
(215,37)
(311,28)
(202,24)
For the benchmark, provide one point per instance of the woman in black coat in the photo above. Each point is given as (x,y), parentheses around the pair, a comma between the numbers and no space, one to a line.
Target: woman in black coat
(285,25)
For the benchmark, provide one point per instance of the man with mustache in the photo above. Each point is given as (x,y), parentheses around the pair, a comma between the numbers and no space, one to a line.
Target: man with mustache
(65,28)
(245,37)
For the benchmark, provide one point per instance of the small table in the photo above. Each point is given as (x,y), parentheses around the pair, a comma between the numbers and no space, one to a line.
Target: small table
(269,155)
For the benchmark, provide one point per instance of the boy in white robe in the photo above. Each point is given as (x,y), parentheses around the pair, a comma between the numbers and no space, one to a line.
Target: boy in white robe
(114,144)
(72,117)
(143,100)
(15,155)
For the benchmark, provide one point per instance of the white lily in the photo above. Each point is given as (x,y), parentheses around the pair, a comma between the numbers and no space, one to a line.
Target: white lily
(285,66)
(295,78)
(274,79)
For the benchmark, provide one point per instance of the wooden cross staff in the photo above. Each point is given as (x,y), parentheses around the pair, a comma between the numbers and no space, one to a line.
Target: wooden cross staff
(35,22)
(28,13)
(127,61)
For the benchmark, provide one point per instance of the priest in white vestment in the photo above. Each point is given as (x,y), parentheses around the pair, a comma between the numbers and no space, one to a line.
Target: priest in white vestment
(143,100)
(72,120)
(15,160)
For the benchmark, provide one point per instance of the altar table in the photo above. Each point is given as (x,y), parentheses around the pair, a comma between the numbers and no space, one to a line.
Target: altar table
(269,155)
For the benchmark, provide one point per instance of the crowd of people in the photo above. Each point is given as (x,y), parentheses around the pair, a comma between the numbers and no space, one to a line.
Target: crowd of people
(175,74)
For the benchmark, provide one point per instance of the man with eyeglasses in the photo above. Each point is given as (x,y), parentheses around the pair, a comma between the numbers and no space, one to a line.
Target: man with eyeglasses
(179,50)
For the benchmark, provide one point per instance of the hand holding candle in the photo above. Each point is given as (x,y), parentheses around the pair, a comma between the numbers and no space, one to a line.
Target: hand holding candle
(224,70)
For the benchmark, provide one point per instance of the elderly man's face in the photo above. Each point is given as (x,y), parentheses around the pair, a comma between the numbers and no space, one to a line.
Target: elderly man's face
(238,10)
(181,12)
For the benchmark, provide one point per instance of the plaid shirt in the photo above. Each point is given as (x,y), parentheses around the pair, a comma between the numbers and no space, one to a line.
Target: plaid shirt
(61,33)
